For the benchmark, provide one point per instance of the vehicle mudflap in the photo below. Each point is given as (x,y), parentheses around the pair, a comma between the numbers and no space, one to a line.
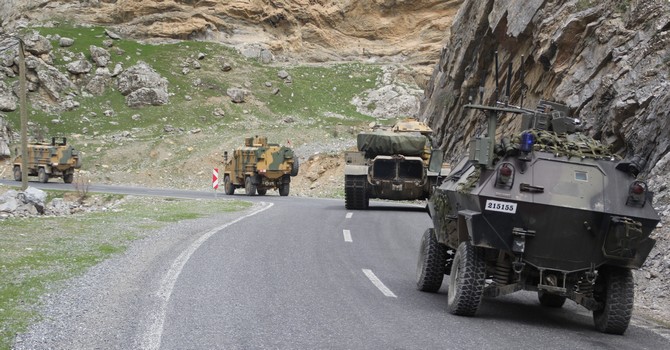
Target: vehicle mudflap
(473,226)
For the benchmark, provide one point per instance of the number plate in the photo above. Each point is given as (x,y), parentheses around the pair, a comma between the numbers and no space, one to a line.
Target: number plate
(503,207)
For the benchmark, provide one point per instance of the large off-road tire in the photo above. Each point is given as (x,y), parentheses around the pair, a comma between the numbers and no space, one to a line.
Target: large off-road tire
(432,262)
(249,186)
(284,189)
(261,191)
(466,280)
(17,173)
(295,167)
(355,192)
(68,178)
(550,300)
(42,175)
(615,289)
(228,187)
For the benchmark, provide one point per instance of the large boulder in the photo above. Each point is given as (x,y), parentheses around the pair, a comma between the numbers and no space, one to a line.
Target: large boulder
(142,86)
(80,66)
(53,81)
(100,81)
(36,44)
(5,138)
(8,100)
(100,56)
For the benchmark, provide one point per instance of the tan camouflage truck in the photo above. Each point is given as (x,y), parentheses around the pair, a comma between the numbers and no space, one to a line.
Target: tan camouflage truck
(259,166)
(47,160)
(391,163)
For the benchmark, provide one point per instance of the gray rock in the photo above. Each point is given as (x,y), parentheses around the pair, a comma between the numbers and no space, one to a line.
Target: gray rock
(54,82)
(100,56)
(118,69)
(33,196)
(36,44)
(266,56)
(8,202)
(69,104)
(142,86)
(108,43)
(8,101)
(80,66)
(65,42)
(147,97)
(201,56)
(58,206)
(226,67)
(112,35)
(282,74)
(236,95)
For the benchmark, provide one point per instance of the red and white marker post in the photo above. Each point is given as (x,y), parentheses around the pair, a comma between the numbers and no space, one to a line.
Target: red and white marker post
(215,180)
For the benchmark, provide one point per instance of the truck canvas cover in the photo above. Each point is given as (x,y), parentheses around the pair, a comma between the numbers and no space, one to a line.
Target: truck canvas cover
(390,143)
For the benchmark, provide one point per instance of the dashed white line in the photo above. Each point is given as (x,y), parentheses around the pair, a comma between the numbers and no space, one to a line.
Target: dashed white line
(151,339)
(349,215)
(347,235)
(378,283)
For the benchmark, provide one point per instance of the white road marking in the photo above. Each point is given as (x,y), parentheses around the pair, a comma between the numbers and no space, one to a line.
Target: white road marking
(378,283)
(151,339)
(347,235)
(349,215)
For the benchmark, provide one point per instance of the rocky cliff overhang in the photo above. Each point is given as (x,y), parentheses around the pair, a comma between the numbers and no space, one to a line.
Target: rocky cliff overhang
(608,60)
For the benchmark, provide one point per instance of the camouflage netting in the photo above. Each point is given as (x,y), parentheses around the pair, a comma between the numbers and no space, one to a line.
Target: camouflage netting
(390,143)
(568,145)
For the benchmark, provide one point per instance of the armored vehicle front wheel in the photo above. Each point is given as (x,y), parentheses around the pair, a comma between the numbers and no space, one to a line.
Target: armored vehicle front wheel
(432,263)
(228,186)
(261,191)
(550,300)
(466,280)
(284,189)
(68,178)
(17,173)
(249,187)
(615,289)
(42,175)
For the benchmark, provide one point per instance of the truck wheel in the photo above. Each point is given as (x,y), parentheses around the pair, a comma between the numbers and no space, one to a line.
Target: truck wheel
(295,167)
(262,192)
(17,173)
(614,288)
(249,187)
(432,262)
(466,280)
(42,175)
(228,187)
(550,300)
(355,192)
(284,189)
(67,178)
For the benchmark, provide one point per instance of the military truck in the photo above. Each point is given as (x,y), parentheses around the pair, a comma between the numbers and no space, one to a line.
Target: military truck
(548,210)
(391,163)
(47,160)
(259,166)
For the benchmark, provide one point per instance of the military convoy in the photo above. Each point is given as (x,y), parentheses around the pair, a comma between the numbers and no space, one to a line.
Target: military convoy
(47,160)
(390,164)
(259,166)
(548,210)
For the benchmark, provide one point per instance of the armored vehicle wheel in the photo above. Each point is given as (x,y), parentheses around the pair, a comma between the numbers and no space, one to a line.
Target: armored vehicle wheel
(295,167)
(262,191)
(432,263)
(550,300)
(228,187)
(249,187)
(67,178)
(614,288)
(42,175)
(466,280)
(355,192)
(17,173)
(284,189)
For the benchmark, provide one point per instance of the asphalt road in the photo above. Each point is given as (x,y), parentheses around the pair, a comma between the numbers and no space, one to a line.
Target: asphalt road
(300,273)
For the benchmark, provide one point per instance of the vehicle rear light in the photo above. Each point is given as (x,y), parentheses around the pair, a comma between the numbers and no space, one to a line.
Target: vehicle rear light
(505,175)
(637,194)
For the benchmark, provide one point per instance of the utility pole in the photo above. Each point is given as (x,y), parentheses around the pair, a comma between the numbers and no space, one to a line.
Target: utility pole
(24,117)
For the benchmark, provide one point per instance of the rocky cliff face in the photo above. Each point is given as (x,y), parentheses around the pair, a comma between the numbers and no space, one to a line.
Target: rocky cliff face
(315,30)
(609,61)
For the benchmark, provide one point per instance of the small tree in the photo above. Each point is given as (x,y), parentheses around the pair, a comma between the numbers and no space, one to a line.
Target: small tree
(82,184)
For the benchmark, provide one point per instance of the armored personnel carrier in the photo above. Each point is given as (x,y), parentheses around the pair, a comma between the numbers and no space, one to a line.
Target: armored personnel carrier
(391,163)
(259,166)
(548,210)
(47,160)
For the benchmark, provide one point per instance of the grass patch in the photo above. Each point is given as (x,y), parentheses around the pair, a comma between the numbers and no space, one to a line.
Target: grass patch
(38,252)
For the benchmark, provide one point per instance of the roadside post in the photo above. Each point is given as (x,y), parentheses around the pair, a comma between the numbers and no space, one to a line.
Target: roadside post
(215,180)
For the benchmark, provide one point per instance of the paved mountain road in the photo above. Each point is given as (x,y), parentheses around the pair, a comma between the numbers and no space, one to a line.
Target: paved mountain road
(296,273)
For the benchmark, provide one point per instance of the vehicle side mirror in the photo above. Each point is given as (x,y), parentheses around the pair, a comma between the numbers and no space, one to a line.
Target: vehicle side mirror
(436,158)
